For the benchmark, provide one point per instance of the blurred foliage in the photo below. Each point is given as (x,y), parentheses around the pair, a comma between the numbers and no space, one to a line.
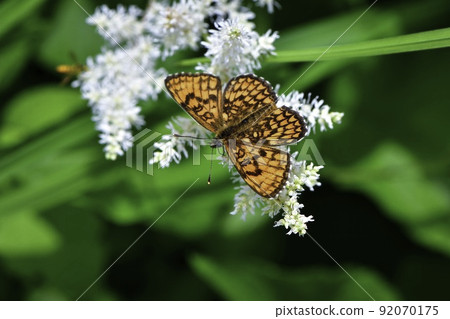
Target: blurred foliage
(383,211)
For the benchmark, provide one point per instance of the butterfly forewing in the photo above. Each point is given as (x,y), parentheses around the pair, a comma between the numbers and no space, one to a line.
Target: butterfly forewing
(265,169)
(244,95)
(200,95)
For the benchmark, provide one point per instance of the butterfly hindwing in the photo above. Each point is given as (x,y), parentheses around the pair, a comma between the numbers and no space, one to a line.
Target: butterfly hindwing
(200,95)
(265,169)
(244,95)
(277,126)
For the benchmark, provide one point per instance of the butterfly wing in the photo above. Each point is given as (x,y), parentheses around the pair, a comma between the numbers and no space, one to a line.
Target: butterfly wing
(244,95)
(265,169)
(200,95)
(275,126)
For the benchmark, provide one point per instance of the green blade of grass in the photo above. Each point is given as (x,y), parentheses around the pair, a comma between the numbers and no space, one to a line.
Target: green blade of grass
(427,40)
(404,43)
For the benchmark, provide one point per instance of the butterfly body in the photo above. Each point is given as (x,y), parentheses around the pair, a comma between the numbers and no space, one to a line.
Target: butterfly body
(246,122)
(242,125)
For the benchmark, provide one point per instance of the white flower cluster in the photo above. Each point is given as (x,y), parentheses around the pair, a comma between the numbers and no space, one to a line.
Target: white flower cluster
(178,26)
(287,202)
(301,175)
(234,48)
(117,26)
(113,83)
(314,111)
(126,71)
(172,148)
(121,76)
(246,201)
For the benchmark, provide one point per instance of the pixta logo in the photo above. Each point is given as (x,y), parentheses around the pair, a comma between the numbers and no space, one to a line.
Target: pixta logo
(139,155)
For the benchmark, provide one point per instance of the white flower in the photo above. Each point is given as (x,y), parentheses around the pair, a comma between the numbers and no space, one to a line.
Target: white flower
(114,83)
(232,10)
(245,202)
(269,3)
(295,222)
(118,25)
(172,148)
(314,112)
(309,175)
(178,26)
(287,201)
(169,151)
(235,48)
(265,43)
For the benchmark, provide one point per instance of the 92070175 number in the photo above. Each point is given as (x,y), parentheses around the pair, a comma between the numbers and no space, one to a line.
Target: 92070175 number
(409,310)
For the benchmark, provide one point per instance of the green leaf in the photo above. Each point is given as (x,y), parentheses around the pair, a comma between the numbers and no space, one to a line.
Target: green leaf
(47,294)
(53,181)
(232,281)
(392,177)
(24,114)
(372,282)
(26,234)
(22,161)
(246,279)
(49,170)
(71,269)
(434,234)
(423,276)
(405,43)
(181,175)
(70,35)
(197,214)
(13,12)
(326,31)
(233,225)
(321,70)
(12,61)
(146,197)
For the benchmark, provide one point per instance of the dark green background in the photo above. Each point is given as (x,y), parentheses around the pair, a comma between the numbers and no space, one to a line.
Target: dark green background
(382,212)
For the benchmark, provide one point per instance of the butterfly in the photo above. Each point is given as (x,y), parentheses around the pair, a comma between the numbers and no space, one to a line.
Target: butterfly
(246,122)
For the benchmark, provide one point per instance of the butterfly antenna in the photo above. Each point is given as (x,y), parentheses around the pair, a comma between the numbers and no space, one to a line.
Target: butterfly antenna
(193,137)
(210,166)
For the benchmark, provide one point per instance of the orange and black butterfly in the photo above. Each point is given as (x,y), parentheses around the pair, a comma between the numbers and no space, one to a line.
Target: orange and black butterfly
(246,122)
